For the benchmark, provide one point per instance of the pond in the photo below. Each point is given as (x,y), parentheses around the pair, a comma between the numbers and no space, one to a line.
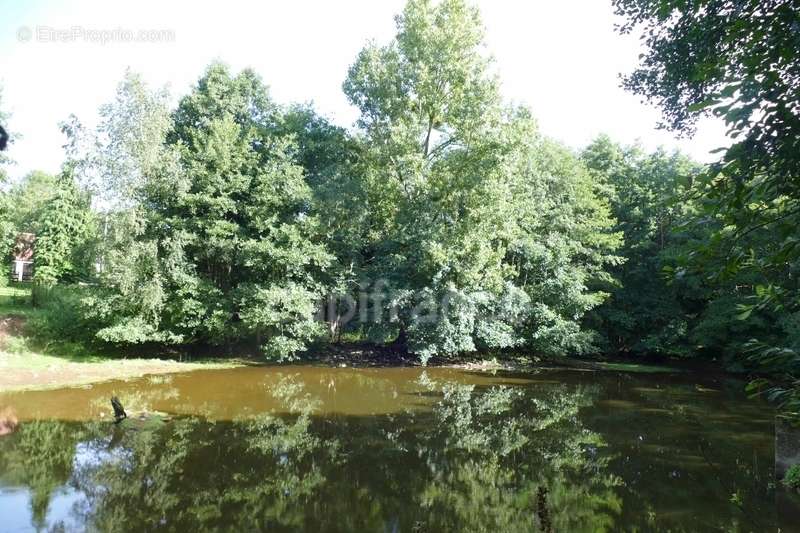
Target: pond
(308,448)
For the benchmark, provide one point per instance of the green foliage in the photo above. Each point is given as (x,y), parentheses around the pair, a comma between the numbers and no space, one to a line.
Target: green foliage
(465,202)
(445,222)
(29,199)
(229,219)
(59,214)
(65,226)
(792,477)
(58,318)
(736,59)
(661,305)
(6,205)
(646,313)
(218,244)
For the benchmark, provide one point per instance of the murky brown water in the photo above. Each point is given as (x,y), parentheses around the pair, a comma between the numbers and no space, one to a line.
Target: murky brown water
(309,448)
(231,393)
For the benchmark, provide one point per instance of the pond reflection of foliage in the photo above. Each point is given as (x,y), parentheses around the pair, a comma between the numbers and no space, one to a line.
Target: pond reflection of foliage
(39,457)
(191,473)
(484,458)
(492,452)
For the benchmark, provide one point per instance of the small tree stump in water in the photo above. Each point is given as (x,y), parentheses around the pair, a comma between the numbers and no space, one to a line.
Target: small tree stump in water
(119,411)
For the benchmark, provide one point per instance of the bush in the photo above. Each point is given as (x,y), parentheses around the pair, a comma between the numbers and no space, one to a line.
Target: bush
(792,477)
(59,315)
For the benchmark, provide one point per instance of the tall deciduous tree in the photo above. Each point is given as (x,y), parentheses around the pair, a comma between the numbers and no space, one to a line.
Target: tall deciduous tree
(333,163)
(225,245)
(470,211)
(28,199)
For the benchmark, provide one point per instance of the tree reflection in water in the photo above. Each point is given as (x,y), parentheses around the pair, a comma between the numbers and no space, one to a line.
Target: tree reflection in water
(40,457)
(491,452)
(477,458)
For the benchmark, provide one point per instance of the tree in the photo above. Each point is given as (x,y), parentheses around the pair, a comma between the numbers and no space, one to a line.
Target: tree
(647,313)
(65,226)
(125,161)
(738,60)
(6,225)
(64,222)
(451,182)
(225,246)
(28,199)
(333,165)
(734,58)
(658,306)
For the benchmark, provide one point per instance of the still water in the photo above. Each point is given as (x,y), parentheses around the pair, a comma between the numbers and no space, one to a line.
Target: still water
(308,448)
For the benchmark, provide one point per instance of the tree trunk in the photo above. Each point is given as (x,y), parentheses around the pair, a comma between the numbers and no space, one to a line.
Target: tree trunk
(400,344)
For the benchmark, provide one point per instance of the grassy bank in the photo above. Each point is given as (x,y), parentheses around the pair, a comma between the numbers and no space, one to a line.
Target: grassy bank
(33,355)
(29,362)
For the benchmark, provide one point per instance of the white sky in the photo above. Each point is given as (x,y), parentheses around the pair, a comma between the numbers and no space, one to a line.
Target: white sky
(561,58)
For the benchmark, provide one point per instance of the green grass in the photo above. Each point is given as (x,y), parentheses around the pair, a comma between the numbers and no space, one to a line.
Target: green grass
(52,363)
(16,300)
